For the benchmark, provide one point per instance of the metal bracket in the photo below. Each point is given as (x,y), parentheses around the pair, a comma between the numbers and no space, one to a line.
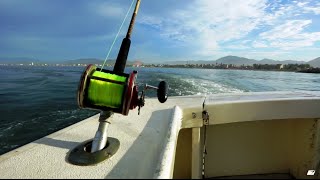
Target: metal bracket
(205,117)
(194,115)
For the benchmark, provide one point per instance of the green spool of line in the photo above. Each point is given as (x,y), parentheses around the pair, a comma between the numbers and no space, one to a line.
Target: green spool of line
(106,94)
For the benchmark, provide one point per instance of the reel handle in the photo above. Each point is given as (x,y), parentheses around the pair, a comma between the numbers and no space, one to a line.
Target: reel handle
(162,92)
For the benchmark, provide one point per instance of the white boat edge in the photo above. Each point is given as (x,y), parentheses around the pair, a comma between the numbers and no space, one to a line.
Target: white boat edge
(150,142)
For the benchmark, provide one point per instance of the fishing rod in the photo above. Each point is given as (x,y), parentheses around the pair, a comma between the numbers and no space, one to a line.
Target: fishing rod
(111,92)
(125,45)
(115,90)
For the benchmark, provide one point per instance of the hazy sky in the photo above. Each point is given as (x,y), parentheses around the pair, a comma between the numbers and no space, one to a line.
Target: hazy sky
(164,30)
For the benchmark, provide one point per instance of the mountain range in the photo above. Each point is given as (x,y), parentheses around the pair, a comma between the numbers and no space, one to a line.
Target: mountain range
(315,62)
(245,61)
(224,60)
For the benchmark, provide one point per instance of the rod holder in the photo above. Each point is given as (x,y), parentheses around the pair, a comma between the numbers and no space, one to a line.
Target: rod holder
(103,147)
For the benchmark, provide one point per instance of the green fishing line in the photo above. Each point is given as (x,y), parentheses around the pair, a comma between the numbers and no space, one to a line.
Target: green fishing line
(103,93)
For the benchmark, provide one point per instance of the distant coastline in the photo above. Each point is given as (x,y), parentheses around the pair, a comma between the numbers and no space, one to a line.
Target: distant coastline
(227,62)
(300,68)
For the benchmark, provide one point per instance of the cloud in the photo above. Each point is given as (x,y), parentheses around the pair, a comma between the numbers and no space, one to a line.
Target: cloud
(302,4)
(150,21)
(203,24)
(259,44)
(109,10)
(315,10)
(263,54)
(299,41)
(210,27)
(289,29)
(200,29)
(237,47)
(291,35)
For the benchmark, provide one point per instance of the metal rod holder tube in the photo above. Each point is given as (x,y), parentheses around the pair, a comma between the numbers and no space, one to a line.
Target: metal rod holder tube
(100,139)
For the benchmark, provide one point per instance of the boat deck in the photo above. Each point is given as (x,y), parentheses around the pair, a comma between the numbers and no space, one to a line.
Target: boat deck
(141,139)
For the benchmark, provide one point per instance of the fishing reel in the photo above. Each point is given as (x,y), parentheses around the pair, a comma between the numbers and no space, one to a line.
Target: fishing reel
(106,90)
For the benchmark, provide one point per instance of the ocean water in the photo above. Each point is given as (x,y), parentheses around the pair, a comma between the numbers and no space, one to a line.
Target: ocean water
(37,101)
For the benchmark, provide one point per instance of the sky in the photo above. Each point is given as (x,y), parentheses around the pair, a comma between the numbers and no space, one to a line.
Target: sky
(165,30)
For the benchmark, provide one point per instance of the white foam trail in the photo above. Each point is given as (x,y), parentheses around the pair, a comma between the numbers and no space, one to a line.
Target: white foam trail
(201,86)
